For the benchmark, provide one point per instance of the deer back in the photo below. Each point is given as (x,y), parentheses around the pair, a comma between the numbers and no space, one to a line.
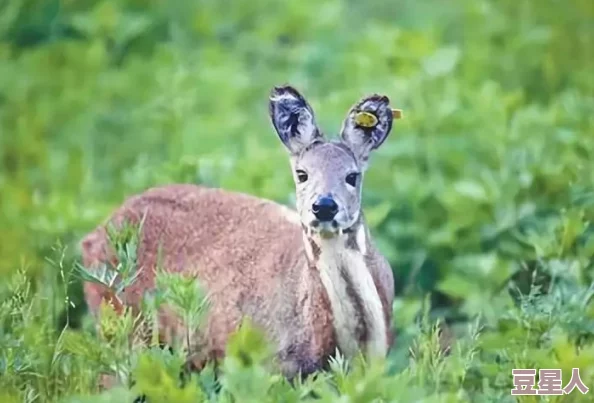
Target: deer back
(247,252)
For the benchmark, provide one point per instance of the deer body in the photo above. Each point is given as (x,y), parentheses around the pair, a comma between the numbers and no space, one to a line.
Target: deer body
(312,279)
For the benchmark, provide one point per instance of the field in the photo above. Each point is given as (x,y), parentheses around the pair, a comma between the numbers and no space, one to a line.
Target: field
(482,198)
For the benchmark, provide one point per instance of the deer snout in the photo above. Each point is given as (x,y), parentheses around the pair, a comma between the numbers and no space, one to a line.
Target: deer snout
(325,209)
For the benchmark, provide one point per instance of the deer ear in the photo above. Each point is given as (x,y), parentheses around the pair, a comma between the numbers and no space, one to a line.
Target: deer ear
(293,118)
(367,125)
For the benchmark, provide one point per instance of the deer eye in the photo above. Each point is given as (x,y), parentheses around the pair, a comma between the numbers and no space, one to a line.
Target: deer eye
(301,175)
(351,178)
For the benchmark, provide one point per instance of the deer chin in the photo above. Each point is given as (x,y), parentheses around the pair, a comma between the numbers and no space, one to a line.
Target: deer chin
(328,234)
(325,230)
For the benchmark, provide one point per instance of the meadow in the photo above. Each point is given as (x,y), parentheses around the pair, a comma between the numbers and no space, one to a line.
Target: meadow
(482,198)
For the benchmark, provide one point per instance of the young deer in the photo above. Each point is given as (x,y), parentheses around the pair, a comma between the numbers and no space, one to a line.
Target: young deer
(311,279)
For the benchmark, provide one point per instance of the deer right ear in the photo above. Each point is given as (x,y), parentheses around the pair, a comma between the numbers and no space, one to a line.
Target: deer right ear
(293,118)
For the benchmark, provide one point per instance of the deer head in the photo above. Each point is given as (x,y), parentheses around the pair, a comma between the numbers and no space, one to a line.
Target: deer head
(328,174)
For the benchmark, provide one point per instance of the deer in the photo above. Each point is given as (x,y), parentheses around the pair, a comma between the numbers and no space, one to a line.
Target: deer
(310,277)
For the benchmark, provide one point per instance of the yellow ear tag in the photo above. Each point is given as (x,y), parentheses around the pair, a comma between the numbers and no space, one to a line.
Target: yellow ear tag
(397,113)
(365,119)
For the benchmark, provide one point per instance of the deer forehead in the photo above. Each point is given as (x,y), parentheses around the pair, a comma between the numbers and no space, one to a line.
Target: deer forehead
(327,159)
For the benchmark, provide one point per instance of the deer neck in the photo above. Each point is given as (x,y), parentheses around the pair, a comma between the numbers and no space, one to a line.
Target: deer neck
(341,263)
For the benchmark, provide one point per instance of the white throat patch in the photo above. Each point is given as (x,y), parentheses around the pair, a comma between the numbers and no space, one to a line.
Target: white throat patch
(346,278)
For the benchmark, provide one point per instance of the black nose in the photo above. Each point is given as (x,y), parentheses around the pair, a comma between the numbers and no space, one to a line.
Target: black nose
(325,208)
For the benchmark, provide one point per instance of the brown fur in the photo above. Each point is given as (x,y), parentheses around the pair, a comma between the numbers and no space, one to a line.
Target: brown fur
(261,272)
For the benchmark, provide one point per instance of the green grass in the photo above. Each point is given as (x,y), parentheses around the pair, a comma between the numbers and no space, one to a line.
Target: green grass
(482,198)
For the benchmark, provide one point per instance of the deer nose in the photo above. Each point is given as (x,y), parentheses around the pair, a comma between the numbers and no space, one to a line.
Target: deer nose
(325,208)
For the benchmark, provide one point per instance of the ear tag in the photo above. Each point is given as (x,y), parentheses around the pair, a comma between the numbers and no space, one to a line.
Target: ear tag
(366,119)
(397,113)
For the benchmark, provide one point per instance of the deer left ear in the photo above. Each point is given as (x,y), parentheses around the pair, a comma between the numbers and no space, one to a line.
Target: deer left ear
(367,125)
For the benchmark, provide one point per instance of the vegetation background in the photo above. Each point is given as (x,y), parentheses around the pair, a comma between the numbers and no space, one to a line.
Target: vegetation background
(482,198)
